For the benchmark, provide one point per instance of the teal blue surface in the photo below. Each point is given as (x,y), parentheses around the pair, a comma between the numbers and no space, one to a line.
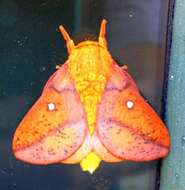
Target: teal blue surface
(173,170)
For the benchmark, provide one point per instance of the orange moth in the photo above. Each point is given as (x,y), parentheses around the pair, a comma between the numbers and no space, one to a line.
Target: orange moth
(90,110)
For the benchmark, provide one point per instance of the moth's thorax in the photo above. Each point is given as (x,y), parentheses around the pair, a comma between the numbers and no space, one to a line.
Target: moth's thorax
(89,65)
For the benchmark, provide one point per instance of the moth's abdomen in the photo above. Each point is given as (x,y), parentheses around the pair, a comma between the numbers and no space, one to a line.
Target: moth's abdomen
(90,94)
(89,66)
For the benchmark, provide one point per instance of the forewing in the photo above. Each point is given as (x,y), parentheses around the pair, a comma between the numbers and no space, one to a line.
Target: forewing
(126,124)
(55,127)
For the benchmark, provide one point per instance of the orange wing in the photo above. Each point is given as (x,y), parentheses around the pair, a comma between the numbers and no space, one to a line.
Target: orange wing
(126,125)
(55,127)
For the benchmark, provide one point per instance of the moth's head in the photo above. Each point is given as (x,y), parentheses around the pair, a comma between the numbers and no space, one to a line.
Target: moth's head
(101,39)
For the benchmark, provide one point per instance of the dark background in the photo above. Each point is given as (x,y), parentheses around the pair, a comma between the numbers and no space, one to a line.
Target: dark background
(30,48)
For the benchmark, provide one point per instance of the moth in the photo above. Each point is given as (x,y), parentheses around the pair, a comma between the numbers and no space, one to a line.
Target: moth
(90,111)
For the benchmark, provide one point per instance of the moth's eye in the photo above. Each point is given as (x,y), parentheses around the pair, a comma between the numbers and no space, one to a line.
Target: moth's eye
(51,106)
(129,104)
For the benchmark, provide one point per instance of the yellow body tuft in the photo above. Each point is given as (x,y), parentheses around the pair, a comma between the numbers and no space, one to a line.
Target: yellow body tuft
(89,70)
(90,162)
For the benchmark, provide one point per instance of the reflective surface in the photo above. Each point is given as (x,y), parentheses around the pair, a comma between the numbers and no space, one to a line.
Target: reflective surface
(30,48)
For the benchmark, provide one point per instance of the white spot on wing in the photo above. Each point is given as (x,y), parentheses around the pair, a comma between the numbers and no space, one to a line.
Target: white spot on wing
(51,106)
(130,104)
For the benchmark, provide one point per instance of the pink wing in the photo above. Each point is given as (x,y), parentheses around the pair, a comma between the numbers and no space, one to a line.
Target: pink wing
(126,125)
(55,127)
